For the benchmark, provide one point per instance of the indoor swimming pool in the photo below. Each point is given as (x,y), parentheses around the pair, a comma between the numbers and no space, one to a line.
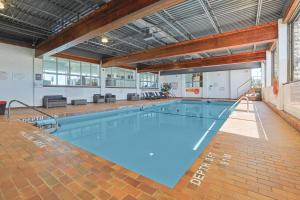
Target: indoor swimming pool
(159,141)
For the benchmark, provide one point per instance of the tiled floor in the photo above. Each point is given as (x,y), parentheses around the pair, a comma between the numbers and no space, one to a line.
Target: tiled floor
(254,156)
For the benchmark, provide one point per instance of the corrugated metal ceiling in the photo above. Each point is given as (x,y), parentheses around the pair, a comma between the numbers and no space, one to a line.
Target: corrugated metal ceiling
(33,21)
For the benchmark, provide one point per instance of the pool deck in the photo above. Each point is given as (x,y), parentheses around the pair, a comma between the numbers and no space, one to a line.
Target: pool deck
(255,156)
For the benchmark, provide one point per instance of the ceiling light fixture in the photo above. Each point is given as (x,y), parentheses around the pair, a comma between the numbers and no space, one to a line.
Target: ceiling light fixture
(104,40)
(2,5)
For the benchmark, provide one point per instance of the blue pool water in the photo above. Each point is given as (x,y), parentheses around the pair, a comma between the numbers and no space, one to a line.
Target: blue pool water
(159,142)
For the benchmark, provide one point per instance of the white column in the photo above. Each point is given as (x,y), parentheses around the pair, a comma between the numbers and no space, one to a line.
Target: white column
(102,81)
(159,81)
(137,82)
(263,74)
(282,60)
(282,52)
(183,92)
(268,69)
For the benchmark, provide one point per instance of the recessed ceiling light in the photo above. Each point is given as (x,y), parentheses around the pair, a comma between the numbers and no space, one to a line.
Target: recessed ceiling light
(104,40)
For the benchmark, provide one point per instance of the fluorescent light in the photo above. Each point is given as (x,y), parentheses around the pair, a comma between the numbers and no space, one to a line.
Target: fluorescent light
(104,40)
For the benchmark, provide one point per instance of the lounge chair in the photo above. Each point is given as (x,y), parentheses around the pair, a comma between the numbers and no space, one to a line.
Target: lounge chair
(152,95)
(159,95)
(147,96)
(163,95)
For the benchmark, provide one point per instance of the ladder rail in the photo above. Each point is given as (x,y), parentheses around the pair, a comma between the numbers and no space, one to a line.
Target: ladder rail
(33,108)
(239,100)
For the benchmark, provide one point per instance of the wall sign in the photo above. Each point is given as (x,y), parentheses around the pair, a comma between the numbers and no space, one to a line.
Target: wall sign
(38,77)
(193,90)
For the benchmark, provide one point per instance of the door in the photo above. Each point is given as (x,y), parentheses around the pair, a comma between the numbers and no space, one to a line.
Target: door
(218,84)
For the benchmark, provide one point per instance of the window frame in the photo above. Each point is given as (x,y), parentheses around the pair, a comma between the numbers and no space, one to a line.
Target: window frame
(121,81)
(69,74)
(150,80)
(193,83)
(291,49)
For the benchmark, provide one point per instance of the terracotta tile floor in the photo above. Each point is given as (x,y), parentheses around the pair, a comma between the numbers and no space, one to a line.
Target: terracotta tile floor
(254,156)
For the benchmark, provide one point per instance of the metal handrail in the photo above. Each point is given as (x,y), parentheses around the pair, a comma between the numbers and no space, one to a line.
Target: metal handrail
(239,100)
(33,108)
(237,90)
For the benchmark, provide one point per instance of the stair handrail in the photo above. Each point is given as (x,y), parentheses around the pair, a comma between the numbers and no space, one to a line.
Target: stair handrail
(237,90)
(239,100)
(33,108)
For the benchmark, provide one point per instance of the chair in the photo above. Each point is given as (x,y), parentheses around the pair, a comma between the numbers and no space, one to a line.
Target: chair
(163,96)
(97,98)
(54,101)
(151,95)
(147,96)
(133,97)
(157,95)
(110,98)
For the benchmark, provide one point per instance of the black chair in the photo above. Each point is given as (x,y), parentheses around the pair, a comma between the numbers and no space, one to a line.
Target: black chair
(152,95)
(110,98)
(163,96)
(147,96)
(157,95)
(98,98)
(133,97)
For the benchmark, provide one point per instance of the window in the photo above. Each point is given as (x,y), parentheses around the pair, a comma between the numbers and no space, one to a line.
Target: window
(64,72)
(121,78)
(194,80)
(148,80)
(50,77)
(256,75)
(295,49)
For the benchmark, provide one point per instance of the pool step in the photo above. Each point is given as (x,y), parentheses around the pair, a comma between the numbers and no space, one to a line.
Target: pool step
(48,124)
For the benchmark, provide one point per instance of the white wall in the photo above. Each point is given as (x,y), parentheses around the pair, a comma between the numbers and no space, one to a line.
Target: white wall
(288,98)
(240,82)
(176,80)
(16,73)
(220,84)
(216,84)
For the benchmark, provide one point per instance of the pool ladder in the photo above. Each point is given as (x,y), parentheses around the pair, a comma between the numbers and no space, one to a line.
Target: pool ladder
(56,125)
(239,100)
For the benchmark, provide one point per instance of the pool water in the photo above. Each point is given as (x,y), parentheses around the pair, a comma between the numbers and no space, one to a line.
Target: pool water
(159,142)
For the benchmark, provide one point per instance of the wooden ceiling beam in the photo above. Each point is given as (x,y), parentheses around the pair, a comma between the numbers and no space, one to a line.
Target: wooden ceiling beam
(106,18)
(254,35)
(291,11)
(208,62)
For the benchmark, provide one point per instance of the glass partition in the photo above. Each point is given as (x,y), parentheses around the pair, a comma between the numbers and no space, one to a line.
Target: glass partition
(120,78)
(64,72)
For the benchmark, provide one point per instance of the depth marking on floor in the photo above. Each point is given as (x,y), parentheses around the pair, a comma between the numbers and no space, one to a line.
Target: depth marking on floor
(199,175)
